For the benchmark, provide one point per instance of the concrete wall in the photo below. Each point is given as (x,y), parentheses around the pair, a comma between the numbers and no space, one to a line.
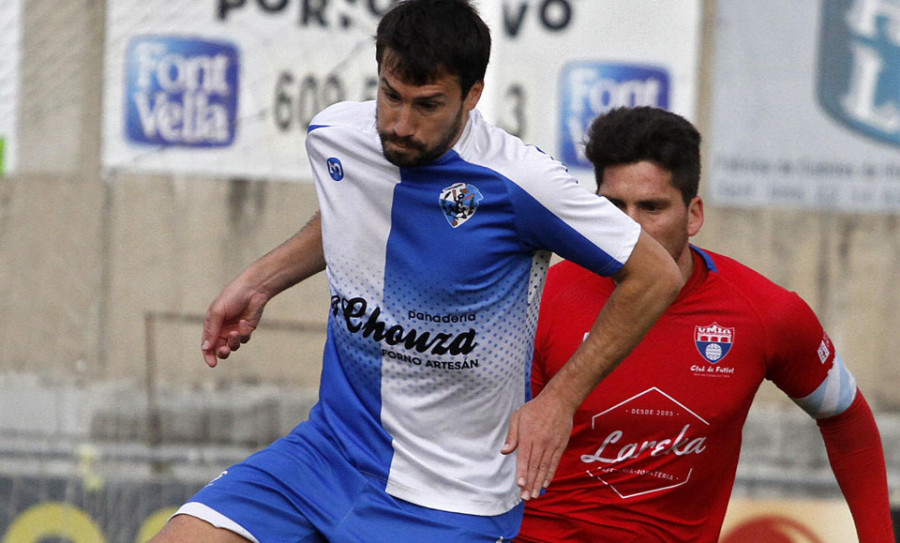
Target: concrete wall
(844,266)
(99,272)
(104,277)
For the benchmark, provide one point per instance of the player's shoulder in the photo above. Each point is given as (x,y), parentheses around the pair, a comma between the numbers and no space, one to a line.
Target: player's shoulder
(566,270)
(360,115)
(568,277)
(495,148)
(732,269)
(757,289)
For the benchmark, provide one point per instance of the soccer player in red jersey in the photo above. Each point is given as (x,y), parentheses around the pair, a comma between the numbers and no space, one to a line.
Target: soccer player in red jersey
(654,448)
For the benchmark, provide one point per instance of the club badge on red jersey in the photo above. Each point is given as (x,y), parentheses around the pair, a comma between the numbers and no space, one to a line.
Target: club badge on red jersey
(713,341)
(459,202)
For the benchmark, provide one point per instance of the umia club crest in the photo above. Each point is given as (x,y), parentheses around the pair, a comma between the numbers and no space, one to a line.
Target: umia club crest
(713,341)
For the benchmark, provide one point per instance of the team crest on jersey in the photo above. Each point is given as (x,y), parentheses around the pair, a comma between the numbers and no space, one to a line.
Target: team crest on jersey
(459,202)
(713,341)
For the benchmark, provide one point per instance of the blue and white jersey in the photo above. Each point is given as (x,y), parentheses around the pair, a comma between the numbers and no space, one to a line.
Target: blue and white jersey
(436,274)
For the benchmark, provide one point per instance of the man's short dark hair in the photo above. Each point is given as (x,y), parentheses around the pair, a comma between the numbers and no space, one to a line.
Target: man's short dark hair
(429,38)
(629,135)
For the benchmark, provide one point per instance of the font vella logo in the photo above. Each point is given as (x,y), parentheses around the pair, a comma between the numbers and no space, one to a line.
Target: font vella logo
(181,91)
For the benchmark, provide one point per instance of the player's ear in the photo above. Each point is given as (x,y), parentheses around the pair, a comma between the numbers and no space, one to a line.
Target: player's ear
(695,215)
(474,95)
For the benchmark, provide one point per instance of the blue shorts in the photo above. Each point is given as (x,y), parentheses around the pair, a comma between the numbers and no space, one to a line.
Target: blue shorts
(302,489)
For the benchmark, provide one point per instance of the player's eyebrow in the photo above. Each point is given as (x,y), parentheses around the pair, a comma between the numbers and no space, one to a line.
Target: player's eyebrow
(435,96)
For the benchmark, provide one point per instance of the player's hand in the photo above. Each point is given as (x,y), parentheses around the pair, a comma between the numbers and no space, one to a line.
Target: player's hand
(230,320)
(540,430)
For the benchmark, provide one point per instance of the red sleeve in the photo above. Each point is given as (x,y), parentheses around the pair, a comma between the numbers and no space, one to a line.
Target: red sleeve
(801,354)
(857,459)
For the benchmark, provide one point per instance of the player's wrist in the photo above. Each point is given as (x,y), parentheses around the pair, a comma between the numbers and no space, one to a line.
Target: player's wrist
(562,396)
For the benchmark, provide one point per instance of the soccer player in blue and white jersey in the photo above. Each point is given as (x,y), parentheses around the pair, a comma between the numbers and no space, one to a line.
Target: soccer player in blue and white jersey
(435,230)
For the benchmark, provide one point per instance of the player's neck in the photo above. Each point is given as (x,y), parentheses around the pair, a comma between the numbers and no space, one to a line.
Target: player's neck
(685,263)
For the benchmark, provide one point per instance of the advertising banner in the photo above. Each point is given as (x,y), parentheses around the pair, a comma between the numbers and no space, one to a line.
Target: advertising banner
(557,64)
(806,105)
(227,87)
(37,509)
(788,521)
(10,44)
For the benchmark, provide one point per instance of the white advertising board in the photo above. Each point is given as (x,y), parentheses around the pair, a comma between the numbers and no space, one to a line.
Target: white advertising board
(10,44)
(806,105)
(227,87)
(557,64)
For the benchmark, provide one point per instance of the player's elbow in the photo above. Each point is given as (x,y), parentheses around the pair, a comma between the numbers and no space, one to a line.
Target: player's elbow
(672,280)
(665,282)
(651,269)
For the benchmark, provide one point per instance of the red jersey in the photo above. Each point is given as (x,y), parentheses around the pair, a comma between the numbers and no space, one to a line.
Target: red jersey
(655,446)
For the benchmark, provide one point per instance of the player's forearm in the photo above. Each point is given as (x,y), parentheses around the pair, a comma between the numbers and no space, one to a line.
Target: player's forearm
(857,460)
(298,258)
(646,286)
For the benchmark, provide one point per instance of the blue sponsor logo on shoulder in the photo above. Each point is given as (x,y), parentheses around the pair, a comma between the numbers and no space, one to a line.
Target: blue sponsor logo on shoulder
(181,91)
(588,89)
(859,66)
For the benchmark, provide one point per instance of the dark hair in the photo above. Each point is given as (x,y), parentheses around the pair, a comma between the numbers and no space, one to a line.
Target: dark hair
(629,135)
(429,38)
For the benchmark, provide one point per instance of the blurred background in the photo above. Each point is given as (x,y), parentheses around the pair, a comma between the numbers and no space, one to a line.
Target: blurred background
(151,149)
